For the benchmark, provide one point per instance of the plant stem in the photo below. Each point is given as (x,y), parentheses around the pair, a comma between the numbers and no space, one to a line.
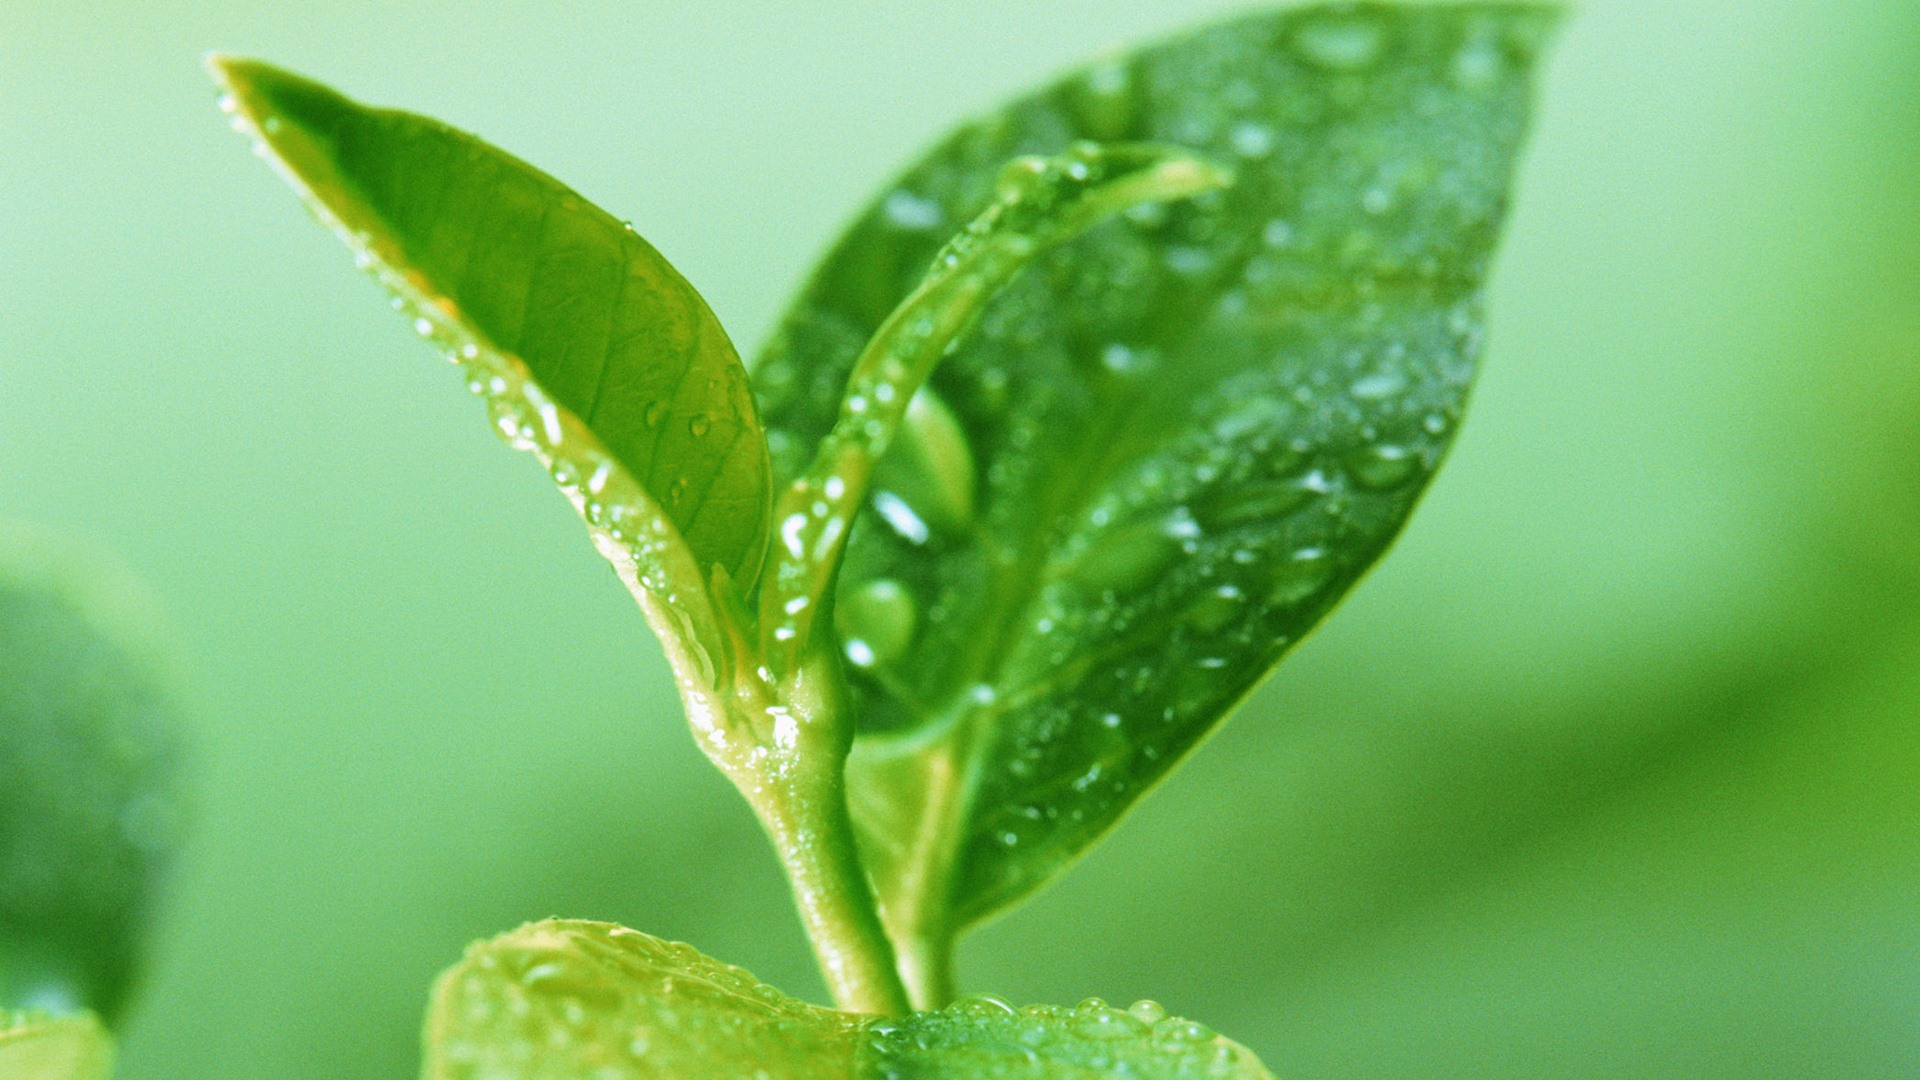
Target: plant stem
(782,738)
(926,966)
(816,847)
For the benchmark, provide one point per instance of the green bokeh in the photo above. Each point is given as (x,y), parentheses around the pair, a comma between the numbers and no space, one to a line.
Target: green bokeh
(1612,769)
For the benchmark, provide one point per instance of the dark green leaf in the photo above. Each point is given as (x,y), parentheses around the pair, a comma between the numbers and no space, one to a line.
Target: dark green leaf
(34,1046)
(1185,435)
(1038,204)
(592,351)
(564,1000)
(89,778)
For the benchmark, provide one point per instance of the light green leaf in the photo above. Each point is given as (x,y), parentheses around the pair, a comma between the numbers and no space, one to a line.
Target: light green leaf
(564,1000)
(35,1046)
(90,764)
(592,351)
(1181,438)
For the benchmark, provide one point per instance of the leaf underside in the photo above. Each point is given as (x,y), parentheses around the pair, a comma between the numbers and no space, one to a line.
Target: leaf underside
(593,351)
(1168,449)
(561,1000)
(38,1047)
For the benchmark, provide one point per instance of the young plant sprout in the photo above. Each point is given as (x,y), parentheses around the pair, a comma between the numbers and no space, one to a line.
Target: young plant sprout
(1090,417)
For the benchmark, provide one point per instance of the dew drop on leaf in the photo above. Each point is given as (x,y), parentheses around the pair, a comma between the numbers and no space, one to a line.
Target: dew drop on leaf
(1300,578)
(1339,41)
(1385,466)
(896,513)
(878,620)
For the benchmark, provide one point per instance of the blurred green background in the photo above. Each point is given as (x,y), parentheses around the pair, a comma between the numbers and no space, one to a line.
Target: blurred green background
(1611,769)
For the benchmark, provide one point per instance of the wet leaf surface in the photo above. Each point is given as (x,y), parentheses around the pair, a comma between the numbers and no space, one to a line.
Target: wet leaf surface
(558,1000)
(589,348)
(1169,448)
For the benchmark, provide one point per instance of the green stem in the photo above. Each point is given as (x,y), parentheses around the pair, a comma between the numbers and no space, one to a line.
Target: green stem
(783,741)
(926,966)
(816,847)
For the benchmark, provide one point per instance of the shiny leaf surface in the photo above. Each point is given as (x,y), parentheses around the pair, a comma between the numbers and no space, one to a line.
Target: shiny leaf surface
(1167,450)
(1038,204)
(561,1000)
(590,349)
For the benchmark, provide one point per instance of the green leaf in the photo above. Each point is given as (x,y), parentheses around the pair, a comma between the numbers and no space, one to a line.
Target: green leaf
(1038,204)
(560,1000)
(1177,441)
(90,764)
(35,1046)
(591,350)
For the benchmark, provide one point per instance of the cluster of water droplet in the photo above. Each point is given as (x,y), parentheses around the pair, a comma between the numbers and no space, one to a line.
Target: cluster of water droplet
(1186,432)
(595,1000)
(627,524)
(1173,583)
(985,1036)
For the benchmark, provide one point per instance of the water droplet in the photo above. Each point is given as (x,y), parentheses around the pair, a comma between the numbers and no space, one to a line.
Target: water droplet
(1380,384)
(1102,101)
(1340,41)
(909,212)
(1300,578)
(1251,140)
(1461,320)
(930,465)
(1094,1019)
(1188,260)
(897,514)
(423,326)
(1147,1012)
(1384,466)
(1121,360)
(793,534)
(700,425)
(655,412)
(880,617)
(1181,526)
(986,1006)
(1479,65)
(1215,610)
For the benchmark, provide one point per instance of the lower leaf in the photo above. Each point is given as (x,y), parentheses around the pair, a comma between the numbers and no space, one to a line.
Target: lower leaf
(563,999)
(35,1046)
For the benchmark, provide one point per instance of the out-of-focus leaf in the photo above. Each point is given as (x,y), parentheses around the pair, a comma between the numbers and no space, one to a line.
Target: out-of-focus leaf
(591,350)
(89,780)
(34,1046)
(1184,435)
(562,1000)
